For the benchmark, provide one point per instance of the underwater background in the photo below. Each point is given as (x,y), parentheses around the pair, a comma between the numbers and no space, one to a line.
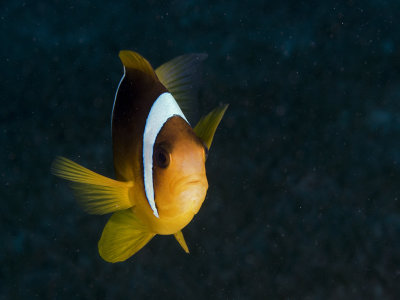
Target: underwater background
(304,171)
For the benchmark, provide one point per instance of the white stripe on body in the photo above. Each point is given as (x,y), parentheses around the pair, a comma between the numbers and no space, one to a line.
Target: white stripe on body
(162,109)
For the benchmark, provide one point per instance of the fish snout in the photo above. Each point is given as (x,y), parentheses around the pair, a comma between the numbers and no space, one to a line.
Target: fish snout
(190,192)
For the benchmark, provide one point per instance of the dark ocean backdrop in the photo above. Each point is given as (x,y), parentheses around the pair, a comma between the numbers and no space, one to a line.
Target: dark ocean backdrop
(304,171)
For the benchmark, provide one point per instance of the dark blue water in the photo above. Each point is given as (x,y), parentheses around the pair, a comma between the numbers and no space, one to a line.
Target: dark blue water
(304,171)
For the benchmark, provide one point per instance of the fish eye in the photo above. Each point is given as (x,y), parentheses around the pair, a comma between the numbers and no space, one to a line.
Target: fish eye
(161,157)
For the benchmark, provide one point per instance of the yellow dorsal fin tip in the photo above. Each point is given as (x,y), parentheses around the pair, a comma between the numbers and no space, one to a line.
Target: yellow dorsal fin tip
(133,60)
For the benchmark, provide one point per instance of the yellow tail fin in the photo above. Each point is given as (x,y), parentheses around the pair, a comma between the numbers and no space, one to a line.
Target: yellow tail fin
(95,193)
(123,236)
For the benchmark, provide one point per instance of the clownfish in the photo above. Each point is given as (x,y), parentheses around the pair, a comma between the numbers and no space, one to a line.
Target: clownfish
(159,159)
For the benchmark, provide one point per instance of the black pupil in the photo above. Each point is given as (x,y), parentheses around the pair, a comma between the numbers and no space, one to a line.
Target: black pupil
(162,158)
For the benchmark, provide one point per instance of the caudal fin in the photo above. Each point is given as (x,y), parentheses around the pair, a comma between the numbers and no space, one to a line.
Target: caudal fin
(123,236)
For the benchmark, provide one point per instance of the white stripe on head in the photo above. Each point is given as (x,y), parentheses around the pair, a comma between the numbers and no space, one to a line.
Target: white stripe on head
(162,109)
(115,97)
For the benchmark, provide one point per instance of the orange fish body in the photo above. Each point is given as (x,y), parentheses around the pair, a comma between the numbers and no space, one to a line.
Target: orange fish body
(159,159)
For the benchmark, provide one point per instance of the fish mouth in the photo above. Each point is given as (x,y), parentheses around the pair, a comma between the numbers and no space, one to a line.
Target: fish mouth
(186,182)
(190,192)
(194,182)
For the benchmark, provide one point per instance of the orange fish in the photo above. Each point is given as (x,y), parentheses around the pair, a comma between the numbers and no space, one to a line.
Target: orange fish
(159,159)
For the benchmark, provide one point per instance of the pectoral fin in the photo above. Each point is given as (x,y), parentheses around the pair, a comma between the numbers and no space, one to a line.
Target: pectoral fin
(181,240)
(206,127)
(97,194)
(123,236)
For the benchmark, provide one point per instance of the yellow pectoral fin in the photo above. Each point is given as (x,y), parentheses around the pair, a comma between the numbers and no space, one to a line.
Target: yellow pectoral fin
(181,240)
(206,127)
(95,193)
(123,236)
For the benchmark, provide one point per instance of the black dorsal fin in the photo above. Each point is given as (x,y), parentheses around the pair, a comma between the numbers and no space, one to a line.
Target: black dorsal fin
(181,77)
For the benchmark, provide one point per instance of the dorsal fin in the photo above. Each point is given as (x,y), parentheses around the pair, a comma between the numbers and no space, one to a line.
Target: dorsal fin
(133,60)
(181,77)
